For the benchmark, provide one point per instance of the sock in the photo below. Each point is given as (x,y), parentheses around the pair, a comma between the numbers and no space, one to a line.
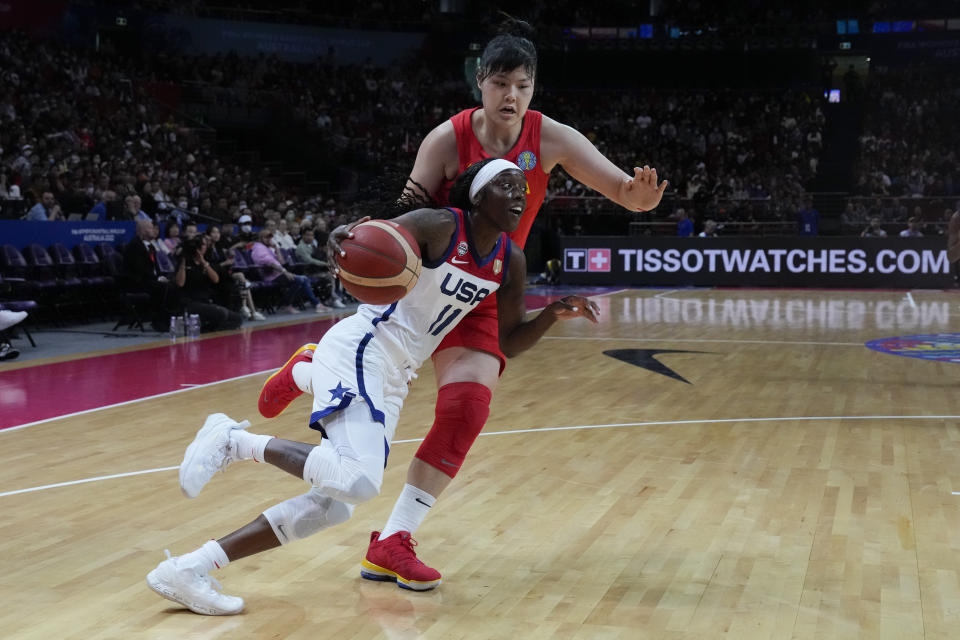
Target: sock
(302,376)
(410,509)
(248,446)
(208,557)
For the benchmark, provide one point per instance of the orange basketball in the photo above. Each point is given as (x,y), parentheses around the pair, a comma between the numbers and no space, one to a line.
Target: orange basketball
(382,263)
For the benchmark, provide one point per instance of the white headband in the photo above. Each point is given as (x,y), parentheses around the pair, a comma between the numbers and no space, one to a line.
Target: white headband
(487,173)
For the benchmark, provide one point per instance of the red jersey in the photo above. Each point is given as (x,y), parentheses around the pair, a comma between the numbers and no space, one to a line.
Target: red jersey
(525,153)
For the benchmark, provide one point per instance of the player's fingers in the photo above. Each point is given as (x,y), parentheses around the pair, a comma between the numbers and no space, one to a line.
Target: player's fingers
(663,186)
(360,221)
(588,310)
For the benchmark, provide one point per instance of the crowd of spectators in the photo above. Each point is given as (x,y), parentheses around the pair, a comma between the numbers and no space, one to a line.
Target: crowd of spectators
(81,135)
(737,155)
(909,143)
(733,155)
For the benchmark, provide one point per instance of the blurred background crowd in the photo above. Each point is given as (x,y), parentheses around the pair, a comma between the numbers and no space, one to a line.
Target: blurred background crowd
(211,137)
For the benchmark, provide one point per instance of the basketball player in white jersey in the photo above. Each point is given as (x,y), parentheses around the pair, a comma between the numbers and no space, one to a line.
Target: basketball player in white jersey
(358,377)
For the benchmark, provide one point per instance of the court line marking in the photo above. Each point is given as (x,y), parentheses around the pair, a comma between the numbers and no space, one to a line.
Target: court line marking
(135,400)
(666,293)
(798,342)
(909,298)
(191,387)
(516,431)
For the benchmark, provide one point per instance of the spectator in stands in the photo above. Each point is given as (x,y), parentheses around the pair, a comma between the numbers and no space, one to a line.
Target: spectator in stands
(321,231)
(132,210)
(263,255)
(101,208)
(197,279)
(912,230)
(307,250)
(246,229)
(45,209)
(684,223)
(189,231)
(874,230)
(142,274)
(158,244)
(172,234)
(227,239)
(808,219)
(282,237)
(709,229)
(232,283)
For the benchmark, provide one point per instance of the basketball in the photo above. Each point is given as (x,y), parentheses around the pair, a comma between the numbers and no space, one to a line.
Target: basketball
(382,263)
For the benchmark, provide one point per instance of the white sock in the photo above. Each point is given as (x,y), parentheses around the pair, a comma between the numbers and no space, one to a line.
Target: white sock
(410,509)
(208,557)
(302,376)
(248,446)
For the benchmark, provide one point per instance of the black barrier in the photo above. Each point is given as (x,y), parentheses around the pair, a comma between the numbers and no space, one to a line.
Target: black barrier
(900,263)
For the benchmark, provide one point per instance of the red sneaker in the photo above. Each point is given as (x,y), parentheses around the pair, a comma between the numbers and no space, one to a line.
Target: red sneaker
(393,559)
(280,390)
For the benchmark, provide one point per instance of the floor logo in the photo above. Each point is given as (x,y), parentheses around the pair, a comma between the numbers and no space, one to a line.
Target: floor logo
(647,359)
(943,347)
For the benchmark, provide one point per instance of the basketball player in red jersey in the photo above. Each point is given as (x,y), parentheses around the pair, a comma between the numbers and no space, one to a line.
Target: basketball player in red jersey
(468,362)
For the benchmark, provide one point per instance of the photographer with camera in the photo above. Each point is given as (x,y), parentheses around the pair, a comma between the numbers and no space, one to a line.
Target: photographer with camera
(197,280)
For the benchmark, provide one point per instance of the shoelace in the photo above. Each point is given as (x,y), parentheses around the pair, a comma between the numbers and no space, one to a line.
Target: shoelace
(409,543)
(229,457)
(206,579)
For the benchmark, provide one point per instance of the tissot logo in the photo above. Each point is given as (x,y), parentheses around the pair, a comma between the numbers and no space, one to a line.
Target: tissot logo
(598,260)
(574,260)
(595,260)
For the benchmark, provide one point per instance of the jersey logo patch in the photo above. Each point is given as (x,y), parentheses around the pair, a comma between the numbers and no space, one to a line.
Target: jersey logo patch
(497,266)
(462,249)
(527,160)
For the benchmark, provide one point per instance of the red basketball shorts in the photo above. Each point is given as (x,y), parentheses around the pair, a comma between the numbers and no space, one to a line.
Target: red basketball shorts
(479,330)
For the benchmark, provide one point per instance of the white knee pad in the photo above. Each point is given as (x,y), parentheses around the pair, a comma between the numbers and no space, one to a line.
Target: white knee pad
(305,515)
(338,472)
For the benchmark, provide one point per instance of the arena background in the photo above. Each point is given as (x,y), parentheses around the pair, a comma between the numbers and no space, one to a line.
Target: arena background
(756,440)
(754,116)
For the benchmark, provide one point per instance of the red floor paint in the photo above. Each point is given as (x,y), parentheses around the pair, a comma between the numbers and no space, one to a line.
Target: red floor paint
(57,389)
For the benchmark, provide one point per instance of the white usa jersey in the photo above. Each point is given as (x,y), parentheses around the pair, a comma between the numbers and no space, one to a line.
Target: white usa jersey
(448,289)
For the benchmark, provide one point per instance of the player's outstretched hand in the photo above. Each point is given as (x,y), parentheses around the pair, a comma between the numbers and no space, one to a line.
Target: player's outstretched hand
(574,307)
(338,235)
(643,193)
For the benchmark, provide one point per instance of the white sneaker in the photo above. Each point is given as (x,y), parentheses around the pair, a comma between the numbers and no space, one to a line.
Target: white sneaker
(193,588)
(208,453)
(258,316)
(245,310)
(337,303)
(322,308)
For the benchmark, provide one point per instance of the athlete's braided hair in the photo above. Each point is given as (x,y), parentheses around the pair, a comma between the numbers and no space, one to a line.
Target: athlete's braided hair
(376,200)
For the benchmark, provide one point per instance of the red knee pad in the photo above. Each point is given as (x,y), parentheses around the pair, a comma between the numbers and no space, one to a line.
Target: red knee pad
(462,410)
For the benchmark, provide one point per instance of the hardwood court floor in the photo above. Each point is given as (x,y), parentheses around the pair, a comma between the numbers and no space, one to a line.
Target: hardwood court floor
(799,485)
